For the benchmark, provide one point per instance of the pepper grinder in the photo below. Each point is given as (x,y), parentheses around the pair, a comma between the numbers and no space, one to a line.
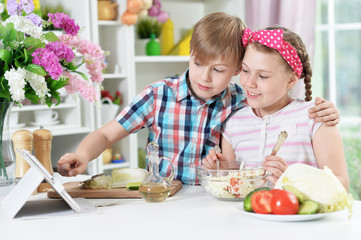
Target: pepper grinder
(22,139)
(42,150)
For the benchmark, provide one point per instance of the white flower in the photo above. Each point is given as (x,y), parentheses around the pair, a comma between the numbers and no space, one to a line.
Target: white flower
(26,26)
(16,79)
(2,8)
(38,83)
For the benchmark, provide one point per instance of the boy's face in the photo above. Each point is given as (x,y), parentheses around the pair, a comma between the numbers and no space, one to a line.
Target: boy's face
(208,79)
(266,80)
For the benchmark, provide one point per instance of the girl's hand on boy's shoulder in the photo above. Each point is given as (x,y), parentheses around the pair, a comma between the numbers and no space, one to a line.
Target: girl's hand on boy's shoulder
(324,111)
(275,165)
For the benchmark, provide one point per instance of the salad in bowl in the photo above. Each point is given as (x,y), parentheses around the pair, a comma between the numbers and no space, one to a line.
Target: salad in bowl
(233,180)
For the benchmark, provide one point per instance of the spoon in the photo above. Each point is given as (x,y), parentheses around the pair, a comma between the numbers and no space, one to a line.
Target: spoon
(217,149)
(281,138)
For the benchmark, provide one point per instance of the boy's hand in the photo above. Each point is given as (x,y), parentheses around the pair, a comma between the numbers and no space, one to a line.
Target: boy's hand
(324,111)
(71,164)
(275,165)
(210,162)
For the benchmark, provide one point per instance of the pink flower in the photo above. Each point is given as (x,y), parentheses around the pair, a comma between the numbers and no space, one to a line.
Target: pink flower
(49,61)
(78,84)
(63,21)
(61,50)
(93,55)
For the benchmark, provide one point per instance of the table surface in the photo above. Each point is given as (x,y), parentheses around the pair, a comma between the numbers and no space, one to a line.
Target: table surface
(189,214)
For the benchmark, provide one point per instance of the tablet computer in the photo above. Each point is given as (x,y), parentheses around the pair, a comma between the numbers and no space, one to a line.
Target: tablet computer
(11,204)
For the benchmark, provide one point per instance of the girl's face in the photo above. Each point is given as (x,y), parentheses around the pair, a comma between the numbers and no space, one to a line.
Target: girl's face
(208,79)
(266,80)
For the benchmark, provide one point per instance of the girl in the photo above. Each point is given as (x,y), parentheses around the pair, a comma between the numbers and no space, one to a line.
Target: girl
(274,61)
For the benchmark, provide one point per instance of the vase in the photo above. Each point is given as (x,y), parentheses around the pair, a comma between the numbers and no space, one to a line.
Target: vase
(7,156)
(153,47)
(140,46)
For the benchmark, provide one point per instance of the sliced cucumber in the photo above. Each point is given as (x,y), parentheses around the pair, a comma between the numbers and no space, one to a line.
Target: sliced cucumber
(309,207)
(133,186)
(300,196)
(247,200)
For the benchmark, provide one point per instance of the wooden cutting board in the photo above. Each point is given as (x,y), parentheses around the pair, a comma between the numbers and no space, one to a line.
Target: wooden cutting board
(76,191)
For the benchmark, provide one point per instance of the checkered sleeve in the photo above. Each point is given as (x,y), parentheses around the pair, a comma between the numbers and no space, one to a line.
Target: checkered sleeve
(139,113)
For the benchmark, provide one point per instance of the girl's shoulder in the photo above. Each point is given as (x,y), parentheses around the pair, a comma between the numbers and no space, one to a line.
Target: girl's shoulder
(301,105)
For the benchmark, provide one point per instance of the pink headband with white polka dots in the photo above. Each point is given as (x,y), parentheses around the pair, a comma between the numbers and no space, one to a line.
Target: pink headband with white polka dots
(274,39)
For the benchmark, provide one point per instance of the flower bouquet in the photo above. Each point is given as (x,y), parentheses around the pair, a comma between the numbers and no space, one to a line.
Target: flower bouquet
(34,65)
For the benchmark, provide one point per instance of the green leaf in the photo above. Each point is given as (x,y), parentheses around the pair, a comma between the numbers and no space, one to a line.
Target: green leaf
(19,36)
(31,42)
(2,31)
(10,35)
(36,69)
(71,66)
(5,55)
(31,95)
(51,37)
(17,64)
(25,56)
(32,49)
(82,74)
(57,97)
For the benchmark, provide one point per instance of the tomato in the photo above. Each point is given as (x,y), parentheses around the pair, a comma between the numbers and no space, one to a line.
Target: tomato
(283,202)
(261,202)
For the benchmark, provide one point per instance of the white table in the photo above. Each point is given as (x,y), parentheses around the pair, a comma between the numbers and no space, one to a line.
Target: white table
(189,214)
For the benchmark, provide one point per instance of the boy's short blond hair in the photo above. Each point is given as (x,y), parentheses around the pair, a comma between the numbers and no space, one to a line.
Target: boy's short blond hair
(218,35)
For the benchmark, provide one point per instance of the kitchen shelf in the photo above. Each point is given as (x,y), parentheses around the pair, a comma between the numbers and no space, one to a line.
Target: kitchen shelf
(109,166)
(57,130)
(43,106)
(109,23)
(161,59)
(114,75)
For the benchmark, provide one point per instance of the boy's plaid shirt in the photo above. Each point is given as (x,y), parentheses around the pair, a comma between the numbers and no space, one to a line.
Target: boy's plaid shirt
(184,127)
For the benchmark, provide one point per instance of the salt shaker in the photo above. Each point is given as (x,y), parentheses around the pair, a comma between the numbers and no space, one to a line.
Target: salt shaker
(42,150)
(22,139)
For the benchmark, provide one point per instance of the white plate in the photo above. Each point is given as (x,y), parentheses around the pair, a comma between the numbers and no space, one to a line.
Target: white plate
(44,124)
(19,125)
(284,218)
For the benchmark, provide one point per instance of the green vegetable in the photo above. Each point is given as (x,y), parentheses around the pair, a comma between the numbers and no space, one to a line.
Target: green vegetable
(133,186)
(300,196)
(309,207)
(319,185)
(98,182)
(123,176)
(247,200)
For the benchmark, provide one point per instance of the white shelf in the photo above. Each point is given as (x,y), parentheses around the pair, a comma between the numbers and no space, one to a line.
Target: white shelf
(110,23)
(109,166)
(114,75)
(57,130)
(43,106)
(156,59)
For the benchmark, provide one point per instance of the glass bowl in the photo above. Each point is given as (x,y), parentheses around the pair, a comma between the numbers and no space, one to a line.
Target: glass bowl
(233,181)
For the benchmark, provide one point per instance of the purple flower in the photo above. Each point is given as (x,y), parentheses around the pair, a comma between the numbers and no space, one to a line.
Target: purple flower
(15,7)
(61,50)
(27,6)
(63,21)
(36,19)
(49,61)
